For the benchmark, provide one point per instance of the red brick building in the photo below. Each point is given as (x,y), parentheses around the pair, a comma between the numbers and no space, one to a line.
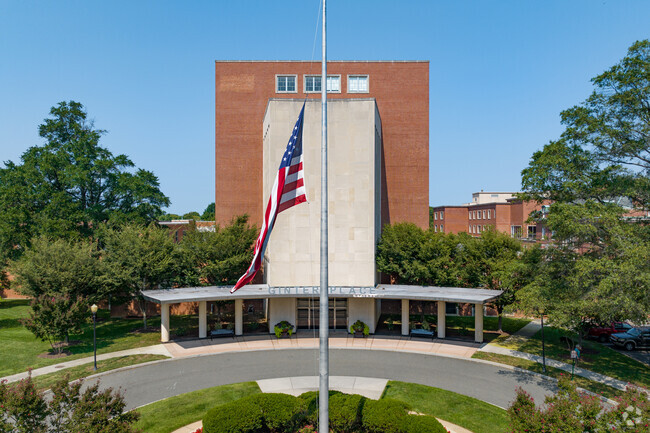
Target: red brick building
(401,91)
(501,211)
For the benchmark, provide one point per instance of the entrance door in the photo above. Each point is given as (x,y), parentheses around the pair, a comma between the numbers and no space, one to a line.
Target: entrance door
(309,313)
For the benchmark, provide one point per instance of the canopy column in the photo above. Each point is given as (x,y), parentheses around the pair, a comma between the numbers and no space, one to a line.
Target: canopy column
(203,319)
(478,323)
(239,317)
(442,311)
(164,322)
(405,317)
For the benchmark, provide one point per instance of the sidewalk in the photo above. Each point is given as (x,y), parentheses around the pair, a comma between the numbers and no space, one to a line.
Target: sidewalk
(531,329)
(158,349)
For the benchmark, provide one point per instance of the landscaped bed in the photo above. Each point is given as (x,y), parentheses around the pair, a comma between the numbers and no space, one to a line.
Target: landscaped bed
(467,412)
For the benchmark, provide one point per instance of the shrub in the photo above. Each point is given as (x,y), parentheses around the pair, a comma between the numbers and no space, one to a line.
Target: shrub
(420,424)
(280,412)
(281,327)
(359,326)
(236,417)
(345,412)
(273,413)
(310,400)
(384,416)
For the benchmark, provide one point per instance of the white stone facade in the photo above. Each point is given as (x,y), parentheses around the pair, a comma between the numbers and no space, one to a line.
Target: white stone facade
(354,156)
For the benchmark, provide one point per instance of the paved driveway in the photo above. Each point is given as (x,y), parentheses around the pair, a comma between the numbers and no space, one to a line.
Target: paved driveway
(491,383)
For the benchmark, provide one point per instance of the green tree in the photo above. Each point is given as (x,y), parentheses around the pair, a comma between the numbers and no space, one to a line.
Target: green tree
(208,213)
(138,258)
(596,270)
(72,408)
(58,267)
(194,215)
(399,254)
(219,257)
(500,267)
(66,187)
(54,317)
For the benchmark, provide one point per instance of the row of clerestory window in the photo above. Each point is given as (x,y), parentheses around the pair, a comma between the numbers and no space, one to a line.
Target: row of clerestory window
(313,84)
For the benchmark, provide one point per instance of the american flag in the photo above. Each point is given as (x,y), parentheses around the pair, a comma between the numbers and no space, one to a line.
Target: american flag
(288,190)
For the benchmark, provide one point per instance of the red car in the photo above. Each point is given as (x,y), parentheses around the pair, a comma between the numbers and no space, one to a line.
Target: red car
(602,333)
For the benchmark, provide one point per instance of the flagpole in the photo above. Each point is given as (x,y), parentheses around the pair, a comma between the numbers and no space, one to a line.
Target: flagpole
(323,325)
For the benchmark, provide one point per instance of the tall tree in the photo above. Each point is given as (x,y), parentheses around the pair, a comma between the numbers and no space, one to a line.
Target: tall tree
(61,267)
(216,258)
(208,213)
(598,267)
(138,258)
(67,186)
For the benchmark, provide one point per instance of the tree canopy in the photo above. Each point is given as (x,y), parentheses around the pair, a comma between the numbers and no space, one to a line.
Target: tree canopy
(598,175)
(67,186)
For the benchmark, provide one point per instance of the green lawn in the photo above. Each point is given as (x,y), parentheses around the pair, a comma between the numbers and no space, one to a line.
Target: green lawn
(172,413)
(525,364)
(20,349)
(596,357)
(47,380)
(467,412)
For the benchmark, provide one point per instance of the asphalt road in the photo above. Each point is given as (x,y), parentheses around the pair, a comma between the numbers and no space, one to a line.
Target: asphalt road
(494,384)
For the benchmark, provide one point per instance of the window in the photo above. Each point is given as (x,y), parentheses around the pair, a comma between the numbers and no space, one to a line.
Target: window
(441,228)
(435,215)
(435,228)
(358,84)
(515,231)
(532,232)
(483,213)
(451,309)
(334,83)
(489,216)
(313,83)
(442,214)
(285,83)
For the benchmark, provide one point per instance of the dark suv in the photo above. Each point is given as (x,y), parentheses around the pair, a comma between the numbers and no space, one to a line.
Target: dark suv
(635,338)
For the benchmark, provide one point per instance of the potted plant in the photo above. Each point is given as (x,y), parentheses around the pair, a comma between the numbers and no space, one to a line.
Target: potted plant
(359,329)
(390,324)
(283,329)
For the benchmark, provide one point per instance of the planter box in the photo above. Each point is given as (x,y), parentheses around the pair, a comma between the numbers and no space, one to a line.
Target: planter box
(358,334)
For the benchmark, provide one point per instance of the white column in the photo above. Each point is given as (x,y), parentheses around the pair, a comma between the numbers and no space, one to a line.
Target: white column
(405,317)
(239,317)
(164,323)
(442,312)
(203,320)
(478,323)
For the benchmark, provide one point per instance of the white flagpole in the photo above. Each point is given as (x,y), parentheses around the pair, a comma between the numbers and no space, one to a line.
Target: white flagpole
(323,324)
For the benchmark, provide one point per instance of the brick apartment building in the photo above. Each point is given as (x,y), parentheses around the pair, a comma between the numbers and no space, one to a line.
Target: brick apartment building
(400,90)
(500,210)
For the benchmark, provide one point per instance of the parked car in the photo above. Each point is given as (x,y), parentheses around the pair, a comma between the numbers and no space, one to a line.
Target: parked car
(635,338)
(602,333)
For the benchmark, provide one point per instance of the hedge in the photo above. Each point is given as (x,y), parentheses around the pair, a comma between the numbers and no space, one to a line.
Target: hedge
(281,413)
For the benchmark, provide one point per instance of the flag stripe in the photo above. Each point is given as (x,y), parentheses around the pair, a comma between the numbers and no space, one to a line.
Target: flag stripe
(288,190)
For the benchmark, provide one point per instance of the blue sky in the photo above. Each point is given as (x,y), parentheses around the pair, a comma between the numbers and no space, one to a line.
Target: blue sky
(500,73)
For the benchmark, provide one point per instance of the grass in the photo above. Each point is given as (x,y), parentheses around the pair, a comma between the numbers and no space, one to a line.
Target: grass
(467,412)
(172,413)
(525,364)
(46,381)
(21,348)
(596,357)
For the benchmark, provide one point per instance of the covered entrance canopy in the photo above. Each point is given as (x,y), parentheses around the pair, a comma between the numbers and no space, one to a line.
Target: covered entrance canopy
(365,300)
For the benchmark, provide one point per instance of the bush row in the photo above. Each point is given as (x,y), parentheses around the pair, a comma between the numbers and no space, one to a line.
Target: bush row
(281,413)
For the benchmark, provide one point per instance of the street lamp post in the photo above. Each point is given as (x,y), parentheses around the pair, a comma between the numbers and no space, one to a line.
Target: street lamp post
(93,308)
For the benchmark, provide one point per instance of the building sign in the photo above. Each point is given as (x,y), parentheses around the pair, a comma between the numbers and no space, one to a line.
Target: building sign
(353,292)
